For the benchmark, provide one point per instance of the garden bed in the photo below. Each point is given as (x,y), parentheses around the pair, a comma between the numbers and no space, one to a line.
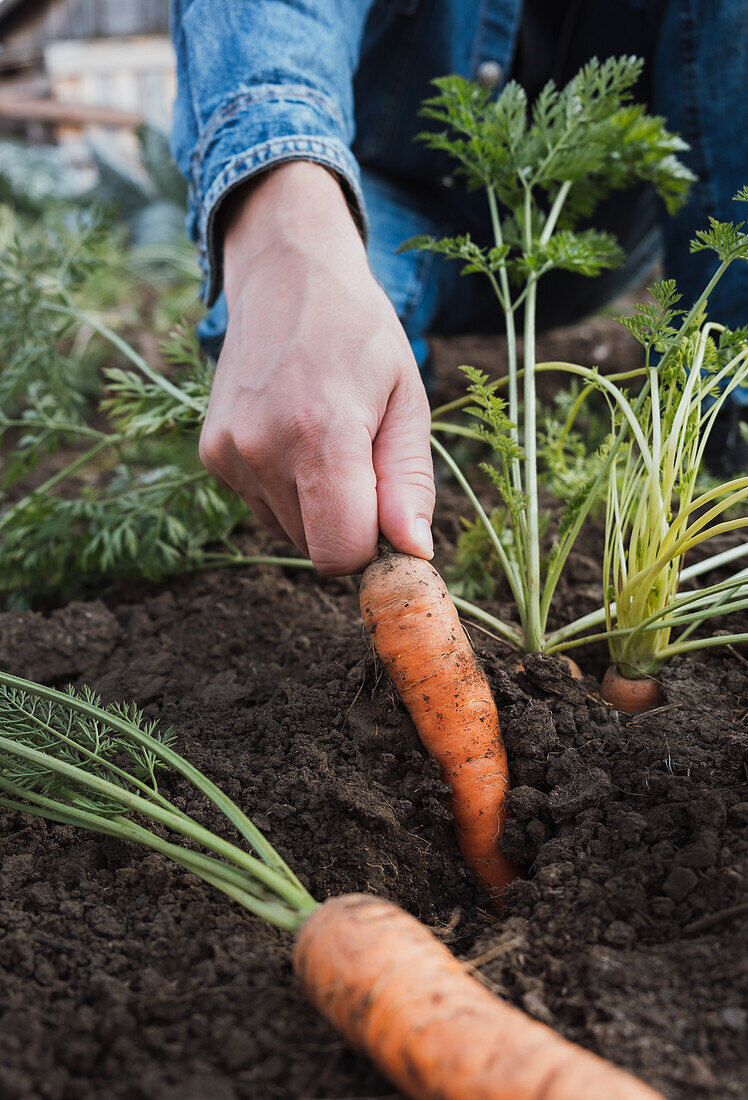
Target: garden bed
(124,977)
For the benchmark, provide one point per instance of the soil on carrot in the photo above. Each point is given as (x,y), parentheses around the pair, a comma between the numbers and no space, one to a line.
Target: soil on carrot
(125,977)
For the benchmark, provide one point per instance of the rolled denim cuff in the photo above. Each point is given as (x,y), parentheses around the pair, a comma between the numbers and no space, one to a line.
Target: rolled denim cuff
(260,127)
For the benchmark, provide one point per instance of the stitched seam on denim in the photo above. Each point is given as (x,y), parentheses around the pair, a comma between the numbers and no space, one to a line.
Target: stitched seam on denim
(243,166)
(330,152)
(266,93)
(687,39)
(258,155)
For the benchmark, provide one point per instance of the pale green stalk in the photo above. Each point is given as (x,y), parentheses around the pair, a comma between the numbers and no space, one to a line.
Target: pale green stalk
(178,823)
(454,429)
(508,566)
(675,648)
(263,885)
(594,618)
(104,443)
(548,365)
(532,621)
(239,820)
(647,575)
(71,311)
(212,559)
(507,632)
(559,560)
(208,867)
(125,349)
(511,339)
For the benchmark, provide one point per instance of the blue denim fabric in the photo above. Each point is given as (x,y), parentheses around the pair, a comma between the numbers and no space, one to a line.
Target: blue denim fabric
(340,82)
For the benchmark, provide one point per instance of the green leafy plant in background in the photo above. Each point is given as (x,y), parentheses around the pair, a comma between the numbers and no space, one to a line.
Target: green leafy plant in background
(655,515)
(130,497)
(544,170)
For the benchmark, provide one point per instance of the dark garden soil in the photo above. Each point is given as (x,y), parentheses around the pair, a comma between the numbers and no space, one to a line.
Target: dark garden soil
(122,976)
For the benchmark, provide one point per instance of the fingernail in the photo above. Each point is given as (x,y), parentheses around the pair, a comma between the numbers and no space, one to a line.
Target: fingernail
(422,534)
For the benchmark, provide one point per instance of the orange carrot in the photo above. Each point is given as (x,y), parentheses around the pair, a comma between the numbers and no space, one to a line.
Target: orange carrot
(399,994)
(630,696)
(417,633)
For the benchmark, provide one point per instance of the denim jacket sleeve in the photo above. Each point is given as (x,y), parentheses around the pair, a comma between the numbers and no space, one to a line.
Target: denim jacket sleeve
(260,82)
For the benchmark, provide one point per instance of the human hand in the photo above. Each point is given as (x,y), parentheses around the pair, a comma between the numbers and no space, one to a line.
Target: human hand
(317,418)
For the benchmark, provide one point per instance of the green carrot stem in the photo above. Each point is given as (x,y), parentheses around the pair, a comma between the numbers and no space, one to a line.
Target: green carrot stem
(230,810)
(504,629)
(511,337)
(279,915)
(552,365)
(701,643)
(213,559)
(565,547)
(61,475)
(454,429)
(122,346)
(188,828)
(715,561)
(532,613)
(110,766)
(124,829)
(506,565)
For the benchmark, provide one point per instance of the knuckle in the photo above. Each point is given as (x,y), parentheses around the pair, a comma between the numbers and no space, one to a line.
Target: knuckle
(423,485)
(417,408)
(393,348)
(213,448)
(255,450)
(330,567)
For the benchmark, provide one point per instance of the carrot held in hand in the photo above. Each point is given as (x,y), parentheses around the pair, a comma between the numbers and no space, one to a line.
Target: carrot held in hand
(417,633)
(396,992)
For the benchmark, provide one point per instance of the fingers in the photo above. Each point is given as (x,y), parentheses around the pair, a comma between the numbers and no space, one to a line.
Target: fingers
(322,486)
(338,499)
(309,481)
(404,472)
(246,463)
(297,448)
(266,516)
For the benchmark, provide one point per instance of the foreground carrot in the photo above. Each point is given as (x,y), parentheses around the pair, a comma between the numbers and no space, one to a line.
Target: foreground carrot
(630,696)
(395,991)
(382,978)
(417,633)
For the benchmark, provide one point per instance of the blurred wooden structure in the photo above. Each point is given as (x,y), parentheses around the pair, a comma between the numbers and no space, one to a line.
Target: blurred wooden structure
(73,68)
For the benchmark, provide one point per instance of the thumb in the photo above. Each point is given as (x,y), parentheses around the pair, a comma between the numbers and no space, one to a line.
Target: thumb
(405,478)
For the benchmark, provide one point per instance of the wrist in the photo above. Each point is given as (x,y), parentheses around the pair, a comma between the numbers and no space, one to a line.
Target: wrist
(298,207)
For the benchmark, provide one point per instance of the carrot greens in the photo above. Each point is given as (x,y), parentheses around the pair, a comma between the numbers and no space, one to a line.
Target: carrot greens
(544,170)
(66,757)
(132,498)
